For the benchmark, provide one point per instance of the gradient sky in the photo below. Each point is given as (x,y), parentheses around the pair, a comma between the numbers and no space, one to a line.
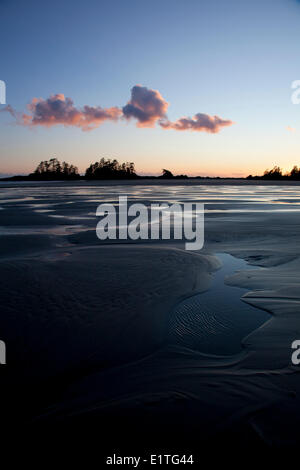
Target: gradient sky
(235,59)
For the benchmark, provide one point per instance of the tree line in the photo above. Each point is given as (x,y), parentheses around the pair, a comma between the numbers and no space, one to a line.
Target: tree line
(108,168)
(103,169)
(52,169)
(276,173)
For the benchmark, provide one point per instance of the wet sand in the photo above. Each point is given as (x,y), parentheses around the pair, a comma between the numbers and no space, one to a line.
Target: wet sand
(86,322)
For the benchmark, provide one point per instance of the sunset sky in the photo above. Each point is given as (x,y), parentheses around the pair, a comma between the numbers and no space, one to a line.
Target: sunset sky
(144,81)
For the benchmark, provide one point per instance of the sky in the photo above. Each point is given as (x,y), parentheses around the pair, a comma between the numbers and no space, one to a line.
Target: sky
(197,87)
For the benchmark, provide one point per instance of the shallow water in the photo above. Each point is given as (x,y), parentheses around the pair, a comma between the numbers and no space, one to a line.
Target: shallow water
(66,203)
(215,322)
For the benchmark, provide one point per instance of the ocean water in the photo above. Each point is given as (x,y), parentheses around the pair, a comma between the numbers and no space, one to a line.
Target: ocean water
(74,205)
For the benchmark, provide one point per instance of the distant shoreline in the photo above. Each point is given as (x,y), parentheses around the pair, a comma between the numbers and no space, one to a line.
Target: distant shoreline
(191,181)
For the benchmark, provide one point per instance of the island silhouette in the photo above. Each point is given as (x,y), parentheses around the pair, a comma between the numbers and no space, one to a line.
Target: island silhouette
(111,169)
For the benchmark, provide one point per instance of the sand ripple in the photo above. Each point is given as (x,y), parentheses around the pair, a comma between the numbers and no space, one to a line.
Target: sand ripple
(193,324)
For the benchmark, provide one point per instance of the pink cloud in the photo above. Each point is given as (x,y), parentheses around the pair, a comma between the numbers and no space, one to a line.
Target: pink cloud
(60,110)
(145,105)
(199,123)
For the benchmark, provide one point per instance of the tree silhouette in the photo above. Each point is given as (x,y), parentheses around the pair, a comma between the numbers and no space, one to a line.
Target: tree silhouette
(295,173)
(110,169)
(52,169)
(166,174)
(276,174)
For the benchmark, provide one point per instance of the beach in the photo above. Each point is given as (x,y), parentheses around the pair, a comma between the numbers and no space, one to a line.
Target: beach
(97,331)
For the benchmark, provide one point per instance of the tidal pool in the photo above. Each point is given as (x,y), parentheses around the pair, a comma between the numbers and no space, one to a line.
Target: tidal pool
(216,321)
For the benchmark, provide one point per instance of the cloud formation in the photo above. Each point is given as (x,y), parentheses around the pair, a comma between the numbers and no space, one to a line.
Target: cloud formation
(199,123)
(60,110)
(146,105)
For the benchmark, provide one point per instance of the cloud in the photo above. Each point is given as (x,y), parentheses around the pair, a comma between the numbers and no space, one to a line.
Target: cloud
(146,105)
(199,123)
(60,110)
(290,129)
